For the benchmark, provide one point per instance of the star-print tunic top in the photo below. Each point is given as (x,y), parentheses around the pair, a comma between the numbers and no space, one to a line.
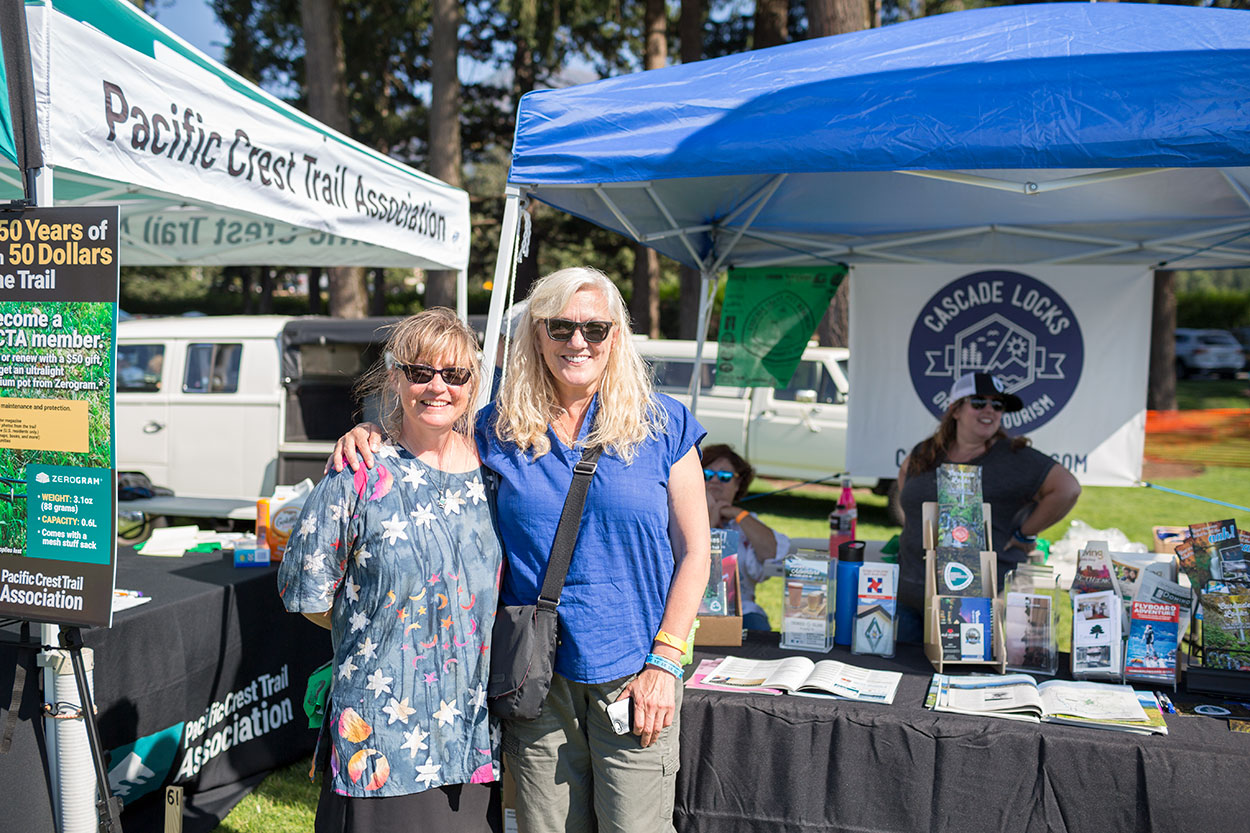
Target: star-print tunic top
(410,556)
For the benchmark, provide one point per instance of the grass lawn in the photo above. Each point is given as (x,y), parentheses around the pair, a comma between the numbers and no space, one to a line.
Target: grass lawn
(1196,394)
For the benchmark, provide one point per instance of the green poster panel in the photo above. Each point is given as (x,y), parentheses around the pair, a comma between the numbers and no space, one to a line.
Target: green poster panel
(767,317)
(58,319)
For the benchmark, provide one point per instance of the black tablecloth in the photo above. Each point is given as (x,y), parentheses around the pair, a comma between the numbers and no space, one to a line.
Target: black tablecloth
(753,762)
(213,645)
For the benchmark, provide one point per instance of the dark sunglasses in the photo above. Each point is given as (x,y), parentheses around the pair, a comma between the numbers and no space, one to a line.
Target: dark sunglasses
(722,476)
(419,374)
(562,329)
(979,402)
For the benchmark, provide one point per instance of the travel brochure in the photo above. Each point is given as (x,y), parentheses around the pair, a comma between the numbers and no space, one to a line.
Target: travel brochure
(1096,634)
(1153,638)
(961,519)
(876,610)
(1029,632)
(965,628)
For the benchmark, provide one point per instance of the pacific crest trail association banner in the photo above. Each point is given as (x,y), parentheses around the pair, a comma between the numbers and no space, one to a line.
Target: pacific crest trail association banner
(767,317)
(58,313)
(1073,342)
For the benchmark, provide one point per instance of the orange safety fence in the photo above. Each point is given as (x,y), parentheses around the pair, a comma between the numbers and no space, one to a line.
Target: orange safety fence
(1216,436)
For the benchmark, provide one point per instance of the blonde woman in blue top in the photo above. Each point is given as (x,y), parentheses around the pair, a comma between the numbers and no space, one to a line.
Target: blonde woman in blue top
(401,563)
(637,572)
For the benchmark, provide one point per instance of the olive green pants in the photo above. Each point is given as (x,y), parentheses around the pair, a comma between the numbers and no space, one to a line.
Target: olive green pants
(574,775)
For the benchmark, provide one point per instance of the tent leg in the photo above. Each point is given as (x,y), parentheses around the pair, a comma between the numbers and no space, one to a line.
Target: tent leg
(462,295)
(707,291)
(499,290)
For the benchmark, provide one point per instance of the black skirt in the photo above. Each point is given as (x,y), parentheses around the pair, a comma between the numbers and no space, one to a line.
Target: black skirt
(454,808)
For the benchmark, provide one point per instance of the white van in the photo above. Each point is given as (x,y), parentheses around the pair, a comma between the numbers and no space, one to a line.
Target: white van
(221,409)
(794,432)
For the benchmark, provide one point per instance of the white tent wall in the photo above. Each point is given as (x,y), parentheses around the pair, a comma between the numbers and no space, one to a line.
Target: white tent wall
(1073,342)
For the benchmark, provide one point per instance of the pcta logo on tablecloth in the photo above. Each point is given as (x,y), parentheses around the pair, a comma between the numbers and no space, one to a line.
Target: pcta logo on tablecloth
(1004,323)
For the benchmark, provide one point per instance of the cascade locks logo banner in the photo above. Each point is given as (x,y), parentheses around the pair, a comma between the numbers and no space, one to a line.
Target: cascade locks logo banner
(767,317)
(1072,342)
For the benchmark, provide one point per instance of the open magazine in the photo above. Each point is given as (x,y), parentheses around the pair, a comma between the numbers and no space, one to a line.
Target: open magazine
(1019,697)
(801,676)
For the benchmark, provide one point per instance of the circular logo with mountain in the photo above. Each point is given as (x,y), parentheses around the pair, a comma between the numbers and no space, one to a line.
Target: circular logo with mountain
(1004,323)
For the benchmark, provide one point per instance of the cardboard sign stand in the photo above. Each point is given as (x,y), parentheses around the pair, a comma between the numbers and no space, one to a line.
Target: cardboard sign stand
(989,579)
(108,806)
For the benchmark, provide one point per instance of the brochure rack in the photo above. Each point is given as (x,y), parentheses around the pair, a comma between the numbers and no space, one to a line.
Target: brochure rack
(989,577)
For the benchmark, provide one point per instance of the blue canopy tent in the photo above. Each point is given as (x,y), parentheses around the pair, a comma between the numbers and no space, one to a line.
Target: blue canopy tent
(1038,134)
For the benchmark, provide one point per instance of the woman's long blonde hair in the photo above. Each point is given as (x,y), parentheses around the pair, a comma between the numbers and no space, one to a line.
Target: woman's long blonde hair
(425,338)
(628,412)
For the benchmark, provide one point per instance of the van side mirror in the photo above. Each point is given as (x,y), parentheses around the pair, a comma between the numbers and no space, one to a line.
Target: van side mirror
(805,395)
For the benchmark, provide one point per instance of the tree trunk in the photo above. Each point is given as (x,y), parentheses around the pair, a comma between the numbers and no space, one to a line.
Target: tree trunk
(688,306)
(1161,395)
(265,301)
(833,329)
(645,303)
(690,32)
(377,300)
(325,71)
(835,17)
(771,27)
(445,147)
(314,291)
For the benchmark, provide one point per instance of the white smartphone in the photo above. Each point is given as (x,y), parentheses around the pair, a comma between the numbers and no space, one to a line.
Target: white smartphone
(619,714)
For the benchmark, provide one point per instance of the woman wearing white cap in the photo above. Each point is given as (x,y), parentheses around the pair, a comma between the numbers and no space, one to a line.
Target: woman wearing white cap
(1027,491)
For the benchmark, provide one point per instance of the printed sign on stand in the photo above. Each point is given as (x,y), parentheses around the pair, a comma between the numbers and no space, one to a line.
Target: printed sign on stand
(58,319)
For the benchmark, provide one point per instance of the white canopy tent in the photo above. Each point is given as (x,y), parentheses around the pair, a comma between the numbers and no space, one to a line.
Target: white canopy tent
(208,168)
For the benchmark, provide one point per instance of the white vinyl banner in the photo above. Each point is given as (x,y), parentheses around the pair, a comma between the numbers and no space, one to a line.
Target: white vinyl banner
(172,123)
(1073,342)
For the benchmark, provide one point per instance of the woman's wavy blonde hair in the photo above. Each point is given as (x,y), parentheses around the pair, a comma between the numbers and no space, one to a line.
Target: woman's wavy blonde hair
(628,413)
(425,338)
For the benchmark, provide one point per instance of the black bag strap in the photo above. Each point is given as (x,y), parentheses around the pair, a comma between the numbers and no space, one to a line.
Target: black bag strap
(566,532)
(15,701)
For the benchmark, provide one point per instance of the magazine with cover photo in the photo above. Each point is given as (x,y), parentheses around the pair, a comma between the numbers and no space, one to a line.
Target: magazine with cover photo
(1153,640)
(1093,569)
(1226,630)
(1222,545)
(1195,562)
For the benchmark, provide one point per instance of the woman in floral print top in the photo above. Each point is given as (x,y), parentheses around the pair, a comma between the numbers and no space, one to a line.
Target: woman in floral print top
(401,563)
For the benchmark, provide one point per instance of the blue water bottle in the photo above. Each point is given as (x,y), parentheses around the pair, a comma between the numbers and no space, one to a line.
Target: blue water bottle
(850,557)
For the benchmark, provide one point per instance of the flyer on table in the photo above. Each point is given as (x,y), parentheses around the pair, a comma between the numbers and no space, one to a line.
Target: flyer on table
(58,324)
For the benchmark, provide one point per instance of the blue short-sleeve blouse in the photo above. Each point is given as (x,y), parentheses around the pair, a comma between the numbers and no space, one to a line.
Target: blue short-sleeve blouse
(622,566)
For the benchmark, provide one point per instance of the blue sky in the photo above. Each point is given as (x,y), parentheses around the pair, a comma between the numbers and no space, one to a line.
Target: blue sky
(193,21)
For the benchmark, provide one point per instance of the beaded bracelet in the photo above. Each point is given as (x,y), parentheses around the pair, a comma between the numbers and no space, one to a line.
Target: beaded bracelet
(677,642)
(664,664)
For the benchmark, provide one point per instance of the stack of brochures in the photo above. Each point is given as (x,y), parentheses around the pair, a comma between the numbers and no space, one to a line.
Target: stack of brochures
(799,676)
(1019,697)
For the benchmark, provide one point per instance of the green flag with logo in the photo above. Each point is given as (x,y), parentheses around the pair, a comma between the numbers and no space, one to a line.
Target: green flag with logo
(767,317)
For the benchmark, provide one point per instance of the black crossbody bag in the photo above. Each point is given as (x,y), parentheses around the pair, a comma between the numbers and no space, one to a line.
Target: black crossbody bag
(523,641)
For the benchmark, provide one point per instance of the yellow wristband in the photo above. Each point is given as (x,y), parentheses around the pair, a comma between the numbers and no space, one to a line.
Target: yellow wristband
(668,639)
(738,518)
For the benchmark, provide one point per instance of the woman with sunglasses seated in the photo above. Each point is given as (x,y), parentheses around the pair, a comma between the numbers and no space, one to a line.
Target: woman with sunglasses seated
(638,569)
(727,478)
(1026,489)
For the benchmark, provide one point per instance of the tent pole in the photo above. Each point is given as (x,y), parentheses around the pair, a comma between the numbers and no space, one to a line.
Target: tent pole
(499,289)
(707,291)
(462,294)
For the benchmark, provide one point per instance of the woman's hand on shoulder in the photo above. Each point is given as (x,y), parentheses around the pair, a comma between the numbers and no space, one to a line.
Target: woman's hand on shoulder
(356,446)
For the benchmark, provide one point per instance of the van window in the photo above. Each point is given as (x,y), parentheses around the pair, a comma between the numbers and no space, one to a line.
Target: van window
(673,375)
(810,375)
(139,367)
(212,368)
